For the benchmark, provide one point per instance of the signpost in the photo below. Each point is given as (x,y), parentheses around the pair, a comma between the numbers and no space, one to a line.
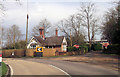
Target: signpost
(105,45)
(39,51)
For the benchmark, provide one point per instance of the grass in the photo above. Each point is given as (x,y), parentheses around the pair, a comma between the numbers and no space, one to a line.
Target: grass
(4,69)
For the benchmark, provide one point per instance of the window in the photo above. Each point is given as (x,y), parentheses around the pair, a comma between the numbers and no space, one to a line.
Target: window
(34,46)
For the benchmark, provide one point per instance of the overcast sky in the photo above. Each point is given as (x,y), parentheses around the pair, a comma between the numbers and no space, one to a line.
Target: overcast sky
(53,10)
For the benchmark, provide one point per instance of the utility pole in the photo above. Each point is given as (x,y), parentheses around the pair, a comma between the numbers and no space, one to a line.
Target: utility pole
(27,30)
(27,26)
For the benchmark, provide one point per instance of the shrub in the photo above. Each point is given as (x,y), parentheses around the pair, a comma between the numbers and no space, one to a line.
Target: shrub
(88,47)
(72,49)
(113,49)
(81,48)
(96,47)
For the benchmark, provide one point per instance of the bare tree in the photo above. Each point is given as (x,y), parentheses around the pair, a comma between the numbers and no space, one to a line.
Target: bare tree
(89,20)
(43,23)
(72,29)
(2,36)
(13,35)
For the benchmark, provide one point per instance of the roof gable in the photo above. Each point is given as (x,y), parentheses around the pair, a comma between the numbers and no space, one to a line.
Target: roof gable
(50,41)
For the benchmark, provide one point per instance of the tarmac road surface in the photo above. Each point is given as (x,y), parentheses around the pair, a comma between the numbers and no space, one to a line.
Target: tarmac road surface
(34,66)
(77,68)
(22,67)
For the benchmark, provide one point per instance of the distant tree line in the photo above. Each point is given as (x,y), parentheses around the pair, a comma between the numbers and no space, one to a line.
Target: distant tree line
(12,37)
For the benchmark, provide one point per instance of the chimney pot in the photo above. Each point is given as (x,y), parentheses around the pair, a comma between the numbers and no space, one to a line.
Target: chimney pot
(42,32)
(56,31)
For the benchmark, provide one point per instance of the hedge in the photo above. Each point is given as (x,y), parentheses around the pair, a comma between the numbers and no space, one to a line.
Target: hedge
(77,49)
(112,49)
(72,49)
(96,47)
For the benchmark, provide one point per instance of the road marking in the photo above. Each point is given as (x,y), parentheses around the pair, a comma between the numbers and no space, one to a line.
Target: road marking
(11,70)
(61,70)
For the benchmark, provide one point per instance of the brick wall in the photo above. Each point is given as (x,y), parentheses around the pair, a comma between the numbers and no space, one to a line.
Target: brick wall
(58,49)
(30,52)
(82,51)
(49,52)
(46,52)
(17,53)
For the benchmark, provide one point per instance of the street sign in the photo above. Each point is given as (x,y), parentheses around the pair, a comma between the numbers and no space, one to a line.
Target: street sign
(105,44)
(39,49)
(77,46)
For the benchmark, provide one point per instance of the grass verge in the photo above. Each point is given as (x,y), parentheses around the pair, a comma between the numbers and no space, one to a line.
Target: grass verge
(4,69)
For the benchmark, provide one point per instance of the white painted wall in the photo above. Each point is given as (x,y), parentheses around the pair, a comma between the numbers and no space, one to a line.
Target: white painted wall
(64,46)
(0,59)
(31,42)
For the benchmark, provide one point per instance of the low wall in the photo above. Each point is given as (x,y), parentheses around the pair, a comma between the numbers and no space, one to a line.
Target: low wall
(30,52)
(17,53)
(49,52)
(67,53)
(58,49)
(82,51)
(46,52)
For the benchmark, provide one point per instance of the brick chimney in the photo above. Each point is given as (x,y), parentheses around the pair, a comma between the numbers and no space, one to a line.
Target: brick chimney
(41,30)
(56,31)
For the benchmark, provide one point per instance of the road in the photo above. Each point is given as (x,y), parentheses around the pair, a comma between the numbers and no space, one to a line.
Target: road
(22,67)
(71,68)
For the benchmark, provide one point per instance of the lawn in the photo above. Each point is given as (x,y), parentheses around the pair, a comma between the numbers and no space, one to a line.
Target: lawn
(4,69)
